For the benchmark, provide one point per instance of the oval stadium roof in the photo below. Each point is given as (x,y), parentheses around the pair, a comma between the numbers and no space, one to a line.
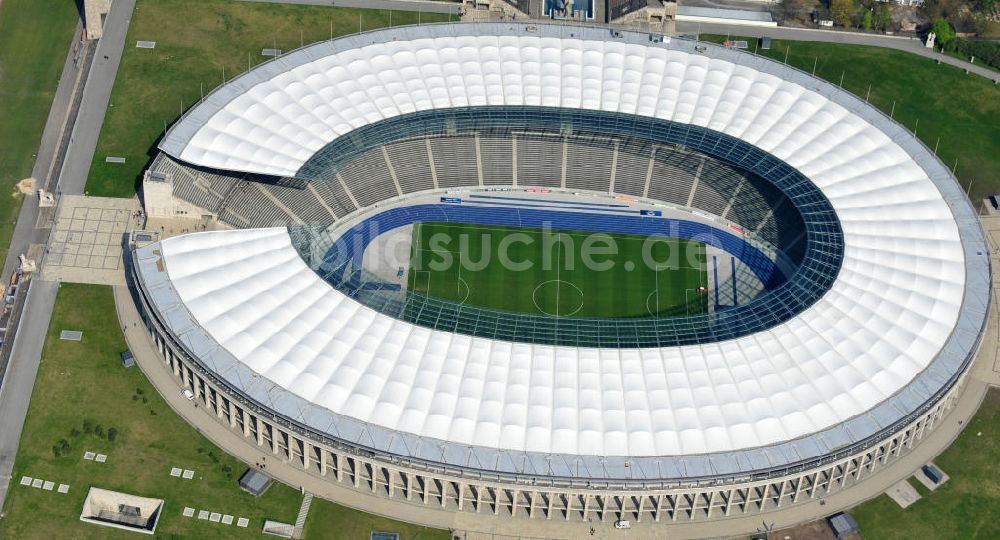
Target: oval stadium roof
(899,324)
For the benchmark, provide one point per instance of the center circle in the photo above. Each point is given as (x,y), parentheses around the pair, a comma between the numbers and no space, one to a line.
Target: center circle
(562,298)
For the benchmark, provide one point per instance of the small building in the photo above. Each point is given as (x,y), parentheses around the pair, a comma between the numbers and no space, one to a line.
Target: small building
(127,359)
(121,510)
(278,528)
(742,17)
(822,17)
(255,482)
(843,524)
(765,43)
(933,473)
(94,14)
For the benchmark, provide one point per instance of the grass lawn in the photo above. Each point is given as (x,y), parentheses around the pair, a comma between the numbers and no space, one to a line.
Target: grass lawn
(559,273)
(35,36)
(328,521)
(85,381)
(965,507)
(195,41)
(963,111)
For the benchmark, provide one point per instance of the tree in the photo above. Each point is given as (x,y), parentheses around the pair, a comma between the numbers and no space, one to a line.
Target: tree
(941,9)
(797,9)
(112,434)
(841,11)
(986,27)
(866,21)
(943,31)
(883,17)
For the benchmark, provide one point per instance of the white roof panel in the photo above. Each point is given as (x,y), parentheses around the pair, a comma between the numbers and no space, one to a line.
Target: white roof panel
(887,317)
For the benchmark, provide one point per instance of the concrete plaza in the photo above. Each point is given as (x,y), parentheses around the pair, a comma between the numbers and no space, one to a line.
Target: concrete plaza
(87,243)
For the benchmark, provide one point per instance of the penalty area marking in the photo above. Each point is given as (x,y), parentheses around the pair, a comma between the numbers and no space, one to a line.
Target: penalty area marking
(702,280)
(460,283)
(458,287)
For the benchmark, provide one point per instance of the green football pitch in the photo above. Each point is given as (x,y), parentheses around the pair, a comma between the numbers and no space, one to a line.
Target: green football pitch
(560,273)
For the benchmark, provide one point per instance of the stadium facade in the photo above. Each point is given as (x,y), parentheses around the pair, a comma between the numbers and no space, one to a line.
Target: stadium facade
(852,352)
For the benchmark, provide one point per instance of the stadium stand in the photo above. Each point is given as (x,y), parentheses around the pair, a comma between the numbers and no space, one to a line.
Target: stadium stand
(716,186)
(369,179)
(633,164)
(589,162)
(455,161)
(302,201)
(412,164)
(249,203)
(539,159)
(498,161)
(673,173)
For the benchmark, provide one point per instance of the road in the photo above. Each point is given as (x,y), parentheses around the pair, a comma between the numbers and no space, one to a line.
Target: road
(96,95)
(910,45)
(71,178)
(400,5)
(70,81)
(15,393)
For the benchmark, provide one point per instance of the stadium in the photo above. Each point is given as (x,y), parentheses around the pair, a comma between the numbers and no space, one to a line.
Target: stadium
(819,291)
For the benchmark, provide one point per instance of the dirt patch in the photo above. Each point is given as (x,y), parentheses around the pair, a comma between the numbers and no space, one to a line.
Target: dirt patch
(24,187)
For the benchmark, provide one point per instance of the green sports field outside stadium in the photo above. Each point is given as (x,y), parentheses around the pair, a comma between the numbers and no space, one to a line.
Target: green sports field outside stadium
(559,273)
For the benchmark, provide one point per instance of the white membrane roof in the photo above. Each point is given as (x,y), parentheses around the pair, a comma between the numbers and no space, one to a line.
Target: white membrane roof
(898,324)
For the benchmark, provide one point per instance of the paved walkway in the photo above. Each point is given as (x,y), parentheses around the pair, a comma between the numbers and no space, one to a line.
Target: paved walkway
(427,6)
(87,243)
(96,95)
(906,44)
(70,85)
(15,391)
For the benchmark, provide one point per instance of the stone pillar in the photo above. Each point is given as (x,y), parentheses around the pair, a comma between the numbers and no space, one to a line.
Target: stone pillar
(232,416)
(94,12)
